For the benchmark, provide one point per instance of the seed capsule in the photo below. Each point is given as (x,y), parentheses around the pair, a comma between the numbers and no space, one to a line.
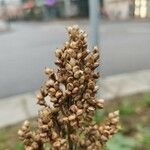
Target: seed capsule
(70,86)
(72,62)
(75,90)
(76,68)
(40,96)
(52,91)
(87,70)
(68,67)
(79,55)
(49,83)
(26,123)
(58,53)
(79,112)
(72,117)
(78,73)
(20,133)
(48,71)
(58,94)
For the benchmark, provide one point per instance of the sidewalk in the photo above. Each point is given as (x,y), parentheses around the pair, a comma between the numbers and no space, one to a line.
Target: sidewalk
(3,26)
(18,108)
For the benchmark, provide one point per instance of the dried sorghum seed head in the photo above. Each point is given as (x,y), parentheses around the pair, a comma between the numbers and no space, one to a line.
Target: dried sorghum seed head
(67,122)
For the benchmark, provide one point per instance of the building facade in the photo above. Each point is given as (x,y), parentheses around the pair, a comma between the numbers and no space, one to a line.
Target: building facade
(125,9)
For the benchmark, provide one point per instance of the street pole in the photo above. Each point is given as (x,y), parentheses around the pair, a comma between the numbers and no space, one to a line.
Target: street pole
(94,14)
(67,5)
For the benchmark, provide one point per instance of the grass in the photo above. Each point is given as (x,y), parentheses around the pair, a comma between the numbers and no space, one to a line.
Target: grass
(135,120)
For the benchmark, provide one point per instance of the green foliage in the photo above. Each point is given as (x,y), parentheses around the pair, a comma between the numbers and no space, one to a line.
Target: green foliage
(143,135)
(3,136)
(98,116)
(19,146)
(126,108)
(120,142)
(147,100)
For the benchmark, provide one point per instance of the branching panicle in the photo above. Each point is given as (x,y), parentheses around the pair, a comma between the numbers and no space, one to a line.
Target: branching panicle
(67,124)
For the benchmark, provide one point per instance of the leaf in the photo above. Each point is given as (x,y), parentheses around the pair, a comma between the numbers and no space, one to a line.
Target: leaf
(120,142)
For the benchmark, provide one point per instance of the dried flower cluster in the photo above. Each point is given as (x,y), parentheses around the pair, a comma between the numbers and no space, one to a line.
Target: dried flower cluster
(67,122)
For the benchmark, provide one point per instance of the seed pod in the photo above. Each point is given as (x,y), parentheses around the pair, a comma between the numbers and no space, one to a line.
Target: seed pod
(72,62)
(104,138)
(73,123)
(69,29)
(95,65)
(56,86)
(63,141)
(75,27)
(24,128)
(20,133)
(72,117)
(56,144)
(67,92)
(76,68)
(49,83)
(95,50)
(86,96)
(70,86)
(48,71)
(75,90)
(101,101)
(73,45)
(91,109)
(77,97)
(79,55)
(99,105)
(76,83)
(39,96)
(79,104)
(87,70)
(70,80)
(45,112)
(73,137)
(65,119)
(52,91)
(73,108)
(54,100)
(26,123)
(35,145)
(78,73)
(68,67)
(82,79)
(96,56)
(36,137)
(114,120)
(91,85)
(59,63)
(58,94)
(44,127)
(54,135)
(79,112)
(58,53)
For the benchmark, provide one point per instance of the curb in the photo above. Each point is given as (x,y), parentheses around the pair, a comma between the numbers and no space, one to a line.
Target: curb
(21,107)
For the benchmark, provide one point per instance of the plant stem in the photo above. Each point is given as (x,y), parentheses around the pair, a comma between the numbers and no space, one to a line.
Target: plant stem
(69,140)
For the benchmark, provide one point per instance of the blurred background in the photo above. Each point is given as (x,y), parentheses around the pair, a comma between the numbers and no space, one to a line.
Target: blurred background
(31,30)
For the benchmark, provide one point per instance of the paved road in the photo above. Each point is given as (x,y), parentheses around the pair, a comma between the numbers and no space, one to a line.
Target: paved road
(29,47)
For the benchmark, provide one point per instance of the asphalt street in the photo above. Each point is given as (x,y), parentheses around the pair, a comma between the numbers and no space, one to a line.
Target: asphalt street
(29,47)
